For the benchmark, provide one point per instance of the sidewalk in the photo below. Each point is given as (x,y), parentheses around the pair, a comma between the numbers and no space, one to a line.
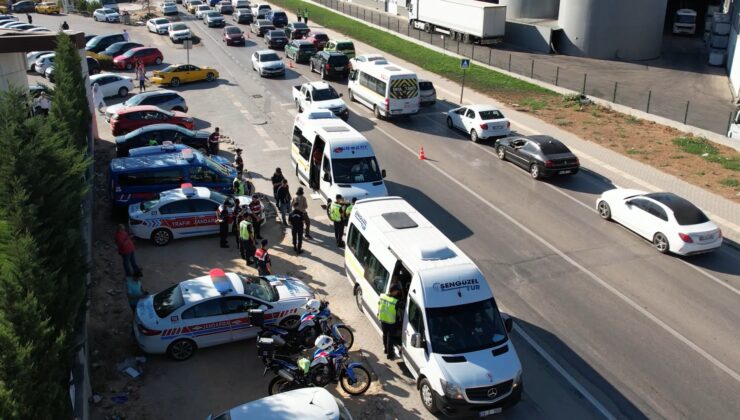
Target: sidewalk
(614,167)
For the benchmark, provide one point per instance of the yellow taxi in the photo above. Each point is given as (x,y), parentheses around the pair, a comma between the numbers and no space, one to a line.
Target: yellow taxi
(176,74)
(47,8)
(193,4)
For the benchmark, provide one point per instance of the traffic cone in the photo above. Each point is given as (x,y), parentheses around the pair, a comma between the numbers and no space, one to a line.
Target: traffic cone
(422,156)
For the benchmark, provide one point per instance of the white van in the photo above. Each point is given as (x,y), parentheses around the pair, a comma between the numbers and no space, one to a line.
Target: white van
(387,89)
(333,158)
(240,3)
(453,340)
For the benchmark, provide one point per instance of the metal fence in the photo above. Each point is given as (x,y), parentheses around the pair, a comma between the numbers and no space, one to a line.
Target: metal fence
(703,112)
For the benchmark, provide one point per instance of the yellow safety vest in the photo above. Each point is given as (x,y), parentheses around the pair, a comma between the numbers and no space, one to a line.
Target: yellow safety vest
(244,229)
(335,212)
(387,309)
(348,210)
(238,187)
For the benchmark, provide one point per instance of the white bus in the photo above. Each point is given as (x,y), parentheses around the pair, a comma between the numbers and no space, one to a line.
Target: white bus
(333,158)
(387,89)
(453,340)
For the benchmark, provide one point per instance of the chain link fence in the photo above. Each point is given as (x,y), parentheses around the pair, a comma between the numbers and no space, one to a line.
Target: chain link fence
(703,112)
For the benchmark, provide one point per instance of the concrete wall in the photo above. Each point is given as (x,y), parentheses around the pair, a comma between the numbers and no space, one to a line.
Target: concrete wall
(612,29)
(532,37)
(535,9)
(13,71)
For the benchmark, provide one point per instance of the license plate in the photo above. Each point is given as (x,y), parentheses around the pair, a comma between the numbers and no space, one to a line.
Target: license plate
(564,172)
(705,237)
(490,412)
(339,68)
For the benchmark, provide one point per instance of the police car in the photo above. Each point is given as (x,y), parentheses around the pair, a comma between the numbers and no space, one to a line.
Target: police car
(182,212)
(214,309)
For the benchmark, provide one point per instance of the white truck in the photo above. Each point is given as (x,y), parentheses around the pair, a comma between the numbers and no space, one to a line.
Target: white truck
(684,22)
(320,95)
(469,21)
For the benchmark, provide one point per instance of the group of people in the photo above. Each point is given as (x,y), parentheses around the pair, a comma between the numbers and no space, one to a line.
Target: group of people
(126,249)
(302,14)
(293,210)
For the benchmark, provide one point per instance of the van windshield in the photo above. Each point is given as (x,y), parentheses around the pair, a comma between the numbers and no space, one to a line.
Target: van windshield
(465,328)
(355,170)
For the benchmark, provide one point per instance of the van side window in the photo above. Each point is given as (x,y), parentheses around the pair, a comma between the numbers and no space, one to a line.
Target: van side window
(150,178)
(376,274)
(302,143)
(203,174)
(372,83)
(358,245)
(416,318)
(326,168)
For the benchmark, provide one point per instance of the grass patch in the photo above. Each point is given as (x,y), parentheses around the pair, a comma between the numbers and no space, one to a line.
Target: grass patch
(595,113)
(534,105)
(476,77)
(678,157)
(633,120)
(730,182)
(701,173)
(563,122)
(702,147)
(636,152)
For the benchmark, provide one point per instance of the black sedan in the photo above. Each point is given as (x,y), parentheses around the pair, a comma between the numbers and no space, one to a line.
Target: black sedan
(160,133)
(276,39)
(24,6)
(261,26)
(297,30)
(118,48)
(542,156)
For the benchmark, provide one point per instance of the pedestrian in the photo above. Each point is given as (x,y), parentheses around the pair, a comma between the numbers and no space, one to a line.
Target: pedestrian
(296,228)
(238,186)
(236,218)
(348,210)
(30,18)
(246,238)
(300,200)
(239,163)
(255,208)
(305,16)
(264,264)
(213,142)
(141,75)
(335,211)
(277,180)
(126,250)
(134,291)
(65,26)
(222,217)
(42,104)
(387,315)
(298,14)
(125,35)
(97,95)
(283,199)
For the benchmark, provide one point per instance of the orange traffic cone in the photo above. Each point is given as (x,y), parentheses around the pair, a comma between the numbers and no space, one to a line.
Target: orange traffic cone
(422,156)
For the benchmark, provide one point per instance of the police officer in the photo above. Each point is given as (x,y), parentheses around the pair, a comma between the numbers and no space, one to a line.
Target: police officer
(264,264)
(235,219)
(348,210)
(239,163)
(222,216)
(277,180)
(335,212)
(388,316)
(255,207)
(246,238)
(296,228)
(213,142)
(238,186)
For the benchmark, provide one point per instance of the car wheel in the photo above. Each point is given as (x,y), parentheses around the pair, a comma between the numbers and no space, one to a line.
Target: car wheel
(175,82)
(161,237)
(351,95)
(298,106)
(158,61)
(427,396)
(182,349)
(210,77)
(290,322)
(310,66)
(534,170)
(122,92)
(661,243)
(323,74)
(501,152)
(129,66)
(358,298)
(376,110)
(474,136)
(449,123)
(604,210)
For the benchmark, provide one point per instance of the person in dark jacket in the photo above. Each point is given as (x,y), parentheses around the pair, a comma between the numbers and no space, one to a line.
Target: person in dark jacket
(222,216)
(283,199)
(296,228)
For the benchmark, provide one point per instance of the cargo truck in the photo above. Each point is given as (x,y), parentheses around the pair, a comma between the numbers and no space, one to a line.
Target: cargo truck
(469,21)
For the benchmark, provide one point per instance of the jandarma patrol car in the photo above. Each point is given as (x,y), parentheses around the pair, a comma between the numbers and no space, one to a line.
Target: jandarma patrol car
(214,309)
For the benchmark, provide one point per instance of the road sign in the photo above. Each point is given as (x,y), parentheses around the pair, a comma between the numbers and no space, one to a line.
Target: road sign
(464,63)
(187,44)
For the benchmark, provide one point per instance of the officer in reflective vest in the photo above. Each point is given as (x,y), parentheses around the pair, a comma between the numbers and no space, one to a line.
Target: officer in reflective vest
(387,315)
(348,210)
(336,216)
(238,186)
(246,237)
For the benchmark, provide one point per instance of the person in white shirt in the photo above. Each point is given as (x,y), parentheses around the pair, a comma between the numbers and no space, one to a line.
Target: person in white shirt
(125,35)
(42,104)
(97,96)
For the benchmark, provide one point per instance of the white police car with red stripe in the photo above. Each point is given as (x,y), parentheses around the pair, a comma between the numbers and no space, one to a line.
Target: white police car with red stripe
(214,309)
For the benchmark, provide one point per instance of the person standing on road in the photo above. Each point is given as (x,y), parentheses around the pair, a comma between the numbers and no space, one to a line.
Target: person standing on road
(134,291)
(388,317)
(305,16)
(141,75)
(277,180)
(255,208)
(236,218)
(238,186)
(348,210)
(213,142)
(126,250)
(264,264)
(65,26)
(334,211)
(98,101)
(296,228)
(125,35)
(246,237)
(222,217)
(239,163)
(30,18)
(298,14)
(283,200)
(302,203)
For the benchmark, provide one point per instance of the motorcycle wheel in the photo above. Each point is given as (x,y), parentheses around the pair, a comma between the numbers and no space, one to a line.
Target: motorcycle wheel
(279,384)
(347,336)
(361,383)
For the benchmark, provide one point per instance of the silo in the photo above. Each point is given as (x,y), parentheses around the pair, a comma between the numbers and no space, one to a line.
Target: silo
(612,29)
(533,9)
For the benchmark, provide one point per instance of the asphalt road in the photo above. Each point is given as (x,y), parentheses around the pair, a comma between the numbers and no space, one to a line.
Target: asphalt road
(639,334)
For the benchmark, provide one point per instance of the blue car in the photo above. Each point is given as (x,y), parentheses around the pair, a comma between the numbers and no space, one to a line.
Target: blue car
(278,18)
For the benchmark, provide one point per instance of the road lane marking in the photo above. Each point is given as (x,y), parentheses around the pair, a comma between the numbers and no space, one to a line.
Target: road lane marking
(713,360)
(262,133)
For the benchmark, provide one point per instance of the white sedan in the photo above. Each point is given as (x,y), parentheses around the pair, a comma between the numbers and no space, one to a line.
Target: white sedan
(33,56)
(179,31)
(267,63)
(672,223)
(201,10)
(112,84)
(158,25)
(214,309)
(365,58)
(106,15)
(169,8)
(43,62)
(480,122)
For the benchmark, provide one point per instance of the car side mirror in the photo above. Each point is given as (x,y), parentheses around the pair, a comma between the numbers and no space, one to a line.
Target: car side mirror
(628,203)
(341,94)
(327,177)
(509,324)
(417,341)
(383,173)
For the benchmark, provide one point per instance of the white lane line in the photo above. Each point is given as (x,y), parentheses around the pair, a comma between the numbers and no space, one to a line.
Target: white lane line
(574,263)
(571,380)
(262,133)
(237,104)
(285,104)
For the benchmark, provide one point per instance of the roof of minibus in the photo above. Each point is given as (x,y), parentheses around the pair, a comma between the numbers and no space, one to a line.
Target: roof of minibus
(343,140)
(152,161)
(385,71)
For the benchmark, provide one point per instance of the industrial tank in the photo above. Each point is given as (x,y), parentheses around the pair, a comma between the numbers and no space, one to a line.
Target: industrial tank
(612,29)
(531,9)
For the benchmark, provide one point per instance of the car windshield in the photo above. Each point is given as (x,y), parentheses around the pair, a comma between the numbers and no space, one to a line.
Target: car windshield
(218,197)
(161,21)
(269,57)
(179,27)
(129,53)
(427,86)
(553,148)
(465,328)
(168,69)
(277,34)
(145,206)
(213,14)
(297,25)
(259,288)
(355,170)
(325,94)
(338,60)
(135,100)
(168,301)
(280,15)
(344,46)
(321,37)
(491,114)
(233,30)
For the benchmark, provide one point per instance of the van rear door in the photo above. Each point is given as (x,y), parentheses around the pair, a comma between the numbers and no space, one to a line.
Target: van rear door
(403,95)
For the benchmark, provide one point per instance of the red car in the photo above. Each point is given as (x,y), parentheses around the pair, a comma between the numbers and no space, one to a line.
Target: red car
(233,35)
(130,119)
(319,39)
(129,59)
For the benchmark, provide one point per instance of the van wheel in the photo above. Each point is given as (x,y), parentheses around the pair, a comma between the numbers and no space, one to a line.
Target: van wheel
(351,96)
(175,82)
(377,112)
(161,237)
(181,349)
(358,298)
(427,396)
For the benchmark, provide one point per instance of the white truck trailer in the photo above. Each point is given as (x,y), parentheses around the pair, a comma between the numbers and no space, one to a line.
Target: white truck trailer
(468,21)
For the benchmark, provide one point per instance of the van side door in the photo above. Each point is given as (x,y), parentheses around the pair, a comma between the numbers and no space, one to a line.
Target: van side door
(413,323)
(326,175)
